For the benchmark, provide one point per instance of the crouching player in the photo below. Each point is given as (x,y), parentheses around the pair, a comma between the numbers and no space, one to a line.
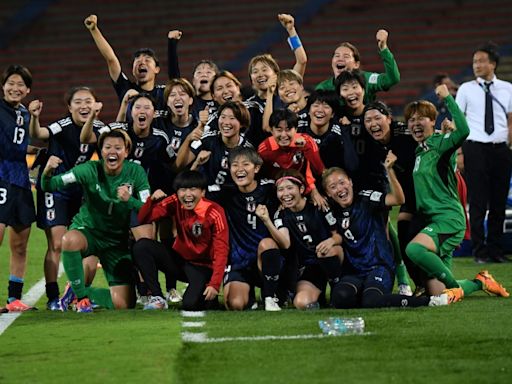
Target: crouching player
(200,250)
(368,269)
(112,188)
(252,249)
(310,236)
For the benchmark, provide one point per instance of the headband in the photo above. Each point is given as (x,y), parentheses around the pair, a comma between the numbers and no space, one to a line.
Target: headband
(291,178)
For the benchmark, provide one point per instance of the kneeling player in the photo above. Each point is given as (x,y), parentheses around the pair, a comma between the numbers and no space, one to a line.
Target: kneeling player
(309,234)
(200,250)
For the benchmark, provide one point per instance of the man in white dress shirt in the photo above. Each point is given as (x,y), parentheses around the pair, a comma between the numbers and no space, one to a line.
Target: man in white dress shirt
(487,104)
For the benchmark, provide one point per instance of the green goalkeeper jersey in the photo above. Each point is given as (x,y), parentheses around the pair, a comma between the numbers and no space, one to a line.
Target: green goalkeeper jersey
(102,211)
(434,174)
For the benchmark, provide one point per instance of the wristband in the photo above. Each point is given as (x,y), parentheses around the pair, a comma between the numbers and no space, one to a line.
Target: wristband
(294,42)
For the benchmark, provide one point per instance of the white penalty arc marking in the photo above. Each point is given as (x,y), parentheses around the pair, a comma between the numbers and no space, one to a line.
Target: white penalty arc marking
(30,298)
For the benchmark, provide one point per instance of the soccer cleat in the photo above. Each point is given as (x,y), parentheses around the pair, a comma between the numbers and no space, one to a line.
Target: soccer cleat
(53,305)
(271,304)
(142,300)
(454,294)
(173,296)
(155,303)
(67,298)
(84,305)
(438,300)
(419,291)
(404,290)
(490,285)
(18,306)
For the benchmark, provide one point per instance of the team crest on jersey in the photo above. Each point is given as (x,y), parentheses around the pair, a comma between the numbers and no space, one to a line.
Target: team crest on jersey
(345,223)
(197,229)
(84,148)
(19,119)
(302,227)
(130,187)
(50,214)
(175,142)
(297,158)
(224,163)
(251,206)
(356,129)
(139,151)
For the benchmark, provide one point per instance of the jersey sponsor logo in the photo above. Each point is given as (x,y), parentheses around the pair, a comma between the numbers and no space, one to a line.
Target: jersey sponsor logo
(143,195)
(376,196)
(70,178)
(197,229)
(373,79)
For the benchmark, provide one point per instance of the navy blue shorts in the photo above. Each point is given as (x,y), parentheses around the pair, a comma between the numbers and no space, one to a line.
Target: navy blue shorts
(55,209)
(315,275)
(379,278)
(16,205)
(250,275)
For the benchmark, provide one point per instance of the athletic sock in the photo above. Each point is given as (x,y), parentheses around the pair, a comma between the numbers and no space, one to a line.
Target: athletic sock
(52,290)
(100,296)
(332,268)
(15,288)
(271,263)
(431,263)
(470,286)
(72,261)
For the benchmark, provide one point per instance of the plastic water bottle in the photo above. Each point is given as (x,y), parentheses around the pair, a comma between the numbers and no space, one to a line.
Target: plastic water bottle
(335,326)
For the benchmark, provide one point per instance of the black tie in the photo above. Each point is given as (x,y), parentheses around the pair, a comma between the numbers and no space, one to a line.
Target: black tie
(489,115)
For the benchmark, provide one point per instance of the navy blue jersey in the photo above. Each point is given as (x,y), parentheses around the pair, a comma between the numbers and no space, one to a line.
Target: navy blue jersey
(64,142)
(256,106)
(371,173)
(336,147)
(216,169)
(307,229)
(123,84)
(199,105)
(148,151)
(364,232)
(14,140)
(303,119)
(245,229)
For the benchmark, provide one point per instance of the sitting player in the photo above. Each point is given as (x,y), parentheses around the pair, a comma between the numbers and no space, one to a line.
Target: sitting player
(199,253)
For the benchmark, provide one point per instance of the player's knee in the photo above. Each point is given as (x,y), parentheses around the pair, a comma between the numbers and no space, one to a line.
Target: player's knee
(266,244)
(371,298)
(237,303)
(302,301)
(344,296)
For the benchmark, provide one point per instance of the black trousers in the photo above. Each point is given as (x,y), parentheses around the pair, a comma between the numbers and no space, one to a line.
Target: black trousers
(487,169)
(151,256)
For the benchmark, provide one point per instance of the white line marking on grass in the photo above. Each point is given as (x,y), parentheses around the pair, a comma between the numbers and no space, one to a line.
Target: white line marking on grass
(193,324)
(192,337)
(30,298)
(193,313)
(203,338)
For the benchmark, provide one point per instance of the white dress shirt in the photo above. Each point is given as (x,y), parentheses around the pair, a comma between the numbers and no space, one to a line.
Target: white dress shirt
(471,100)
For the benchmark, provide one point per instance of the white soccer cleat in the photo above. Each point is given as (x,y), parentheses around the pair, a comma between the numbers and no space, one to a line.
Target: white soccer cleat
(404,290)
(271,304)
(173,296)
(155,303)
(438,300)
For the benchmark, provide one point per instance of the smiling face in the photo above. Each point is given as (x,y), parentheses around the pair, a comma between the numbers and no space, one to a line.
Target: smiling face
(15,89)
(378,125)
(190,197)
(80,106)
(320,114)
(113,152)
(343,60)
(290,195)
(338,187)
(290,91)
(203,76)
(179,101)
(142,115)
(353,94)
(421,127)
(261,73)
(243,172)
(229,126)
(225,89)
(283,134)
(144,69)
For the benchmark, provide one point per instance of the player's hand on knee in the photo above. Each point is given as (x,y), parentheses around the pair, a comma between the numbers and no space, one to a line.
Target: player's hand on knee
(91,22)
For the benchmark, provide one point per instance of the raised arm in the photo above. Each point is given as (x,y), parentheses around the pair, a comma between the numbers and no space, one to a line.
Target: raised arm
(36,131)
(395,196)
(301,59)
(123,107)
(269,104)
(173,68)
(87,135)
(281,235)
(391,75)
(114,66)
(185,156)
(456,137)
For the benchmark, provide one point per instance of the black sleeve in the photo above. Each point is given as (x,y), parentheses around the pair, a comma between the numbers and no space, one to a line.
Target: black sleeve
(173,68)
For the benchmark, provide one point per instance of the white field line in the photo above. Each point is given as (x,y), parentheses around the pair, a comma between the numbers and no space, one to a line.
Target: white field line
(193,324)
(203,337)
(30,298)
(193,313)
